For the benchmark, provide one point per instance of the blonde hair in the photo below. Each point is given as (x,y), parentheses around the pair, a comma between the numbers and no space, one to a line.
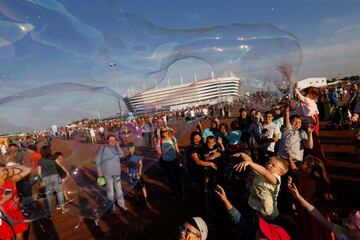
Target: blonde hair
(283,165)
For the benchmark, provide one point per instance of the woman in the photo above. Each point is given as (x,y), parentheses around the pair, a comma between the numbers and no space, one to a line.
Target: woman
(9,201)
(196,162)
(47,170)
(168,150)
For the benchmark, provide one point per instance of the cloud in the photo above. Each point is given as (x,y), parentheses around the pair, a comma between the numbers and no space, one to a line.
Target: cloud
(336,50)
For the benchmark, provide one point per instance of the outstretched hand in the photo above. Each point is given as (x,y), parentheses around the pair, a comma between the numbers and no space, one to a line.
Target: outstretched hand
(244,156)
(241,166)
(220,192)
(292,188)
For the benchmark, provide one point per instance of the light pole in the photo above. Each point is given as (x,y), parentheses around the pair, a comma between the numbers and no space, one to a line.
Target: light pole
(113,67)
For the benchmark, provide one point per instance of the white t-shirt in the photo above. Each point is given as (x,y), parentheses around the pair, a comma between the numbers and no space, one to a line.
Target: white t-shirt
(272,129)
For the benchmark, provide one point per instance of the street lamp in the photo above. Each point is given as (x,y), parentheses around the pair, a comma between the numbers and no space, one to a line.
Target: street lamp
(113,67)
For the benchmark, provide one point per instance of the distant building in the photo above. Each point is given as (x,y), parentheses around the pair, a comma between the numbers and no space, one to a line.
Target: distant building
(195,93)
(312,82)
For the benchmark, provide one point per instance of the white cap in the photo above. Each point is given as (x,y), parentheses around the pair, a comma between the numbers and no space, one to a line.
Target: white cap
(202,227)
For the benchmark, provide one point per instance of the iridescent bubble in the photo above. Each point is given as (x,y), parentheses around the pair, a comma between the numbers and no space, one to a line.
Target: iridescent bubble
(11,32)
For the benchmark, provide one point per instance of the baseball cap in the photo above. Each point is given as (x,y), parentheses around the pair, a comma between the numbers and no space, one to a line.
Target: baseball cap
(272,231)
(202,227)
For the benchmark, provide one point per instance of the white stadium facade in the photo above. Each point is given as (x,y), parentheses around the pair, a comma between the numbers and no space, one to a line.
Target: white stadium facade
(184,95)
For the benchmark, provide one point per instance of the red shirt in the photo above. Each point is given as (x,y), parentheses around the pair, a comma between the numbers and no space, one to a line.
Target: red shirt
(34,158)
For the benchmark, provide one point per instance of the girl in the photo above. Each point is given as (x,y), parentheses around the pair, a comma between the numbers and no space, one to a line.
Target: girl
(9,201)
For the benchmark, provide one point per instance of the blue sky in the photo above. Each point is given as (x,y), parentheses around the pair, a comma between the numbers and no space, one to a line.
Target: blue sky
(46,42)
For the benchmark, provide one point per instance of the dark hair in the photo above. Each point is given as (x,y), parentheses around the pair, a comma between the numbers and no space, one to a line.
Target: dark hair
(242,110)
(213,121)
(12,145)
(58,154)
(269,112)
(32,147)
(293,117)
(130,145)
(235,125)
(210,138)
(45,151)
(225,126)
(192,222)
(193,134)
(109,136)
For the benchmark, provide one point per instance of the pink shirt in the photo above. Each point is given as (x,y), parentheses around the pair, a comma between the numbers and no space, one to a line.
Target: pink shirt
(306,107)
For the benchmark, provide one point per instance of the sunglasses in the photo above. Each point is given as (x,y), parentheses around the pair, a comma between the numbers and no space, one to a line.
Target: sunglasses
(164,131)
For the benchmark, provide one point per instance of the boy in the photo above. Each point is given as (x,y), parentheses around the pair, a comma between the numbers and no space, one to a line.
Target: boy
(211,153)
(265,185)
(294,139)
(135,166)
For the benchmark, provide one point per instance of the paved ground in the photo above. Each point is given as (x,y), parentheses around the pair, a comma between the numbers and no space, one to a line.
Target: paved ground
(163,218)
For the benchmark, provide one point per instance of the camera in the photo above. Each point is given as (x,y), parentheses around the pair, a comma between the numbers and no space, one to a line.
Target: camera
(264,133)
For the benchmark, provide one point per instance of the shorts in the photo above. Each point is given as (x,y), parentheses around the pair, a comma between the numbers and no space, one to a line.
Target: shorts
(137,181)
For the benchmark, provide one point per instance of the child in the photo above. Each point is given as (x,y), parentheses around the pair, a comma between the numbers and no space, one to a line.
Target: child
(135,166)
(63,174)
(211,153)
(265,185)
(307,107)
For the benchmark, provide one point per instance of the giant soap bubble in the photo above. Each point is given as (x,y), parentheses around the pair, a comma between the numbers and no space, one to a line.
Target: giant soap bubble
(145,54)
(58,64)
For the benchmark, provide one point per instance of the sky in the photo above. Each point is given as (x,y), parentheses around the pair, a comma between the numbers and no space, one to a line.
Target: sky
(55,56)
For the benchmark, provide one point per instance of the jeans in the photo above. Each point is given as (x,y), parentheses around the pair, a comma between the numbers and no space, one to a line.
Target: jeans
(52,182)
(114,182)
(148,139)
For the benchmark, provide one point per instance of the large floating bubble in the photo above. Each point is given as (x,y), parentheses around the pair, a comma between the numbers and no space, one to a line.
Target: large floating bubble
(55,59)
(144,54)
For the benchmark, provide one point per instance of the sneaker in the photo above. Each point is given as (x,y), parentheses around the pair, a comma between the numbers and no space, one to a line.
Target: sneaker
(58,207)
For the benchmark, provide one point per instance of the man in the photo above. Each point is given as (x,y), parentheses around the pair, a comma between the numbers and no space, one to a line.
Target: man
(269,136)
(109,169)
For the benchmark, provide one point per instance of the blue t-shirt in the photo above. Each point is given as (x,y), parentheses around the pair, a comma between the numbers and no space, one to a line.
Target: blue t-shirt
(133,163)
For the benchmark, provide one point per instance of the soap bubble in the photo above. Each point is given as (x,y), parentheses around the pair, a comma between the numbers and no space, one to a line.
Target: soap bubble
(61,64)
(145,54)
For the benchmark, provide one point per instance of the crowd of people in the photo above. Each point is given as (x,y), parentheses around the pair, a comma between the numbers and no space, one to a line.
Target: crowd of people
(274,157)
